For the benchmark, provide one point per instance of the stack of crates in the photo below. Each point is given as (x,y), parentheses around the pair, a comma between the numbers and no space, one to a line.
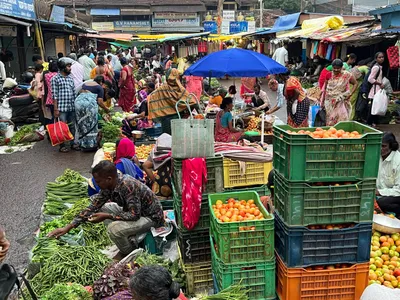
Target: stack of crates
(324,192)
(194,245)
(243,252)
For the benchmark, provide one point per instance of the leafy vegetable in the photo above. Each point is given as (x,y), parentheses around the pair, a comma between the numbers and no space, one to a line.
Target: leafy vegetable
(22,132)
(214,84)
(110,132)
(114,279)
(9,150)
(44,249)
(70,176)
(70,264)
(234,292)
(70,291)
(73,211)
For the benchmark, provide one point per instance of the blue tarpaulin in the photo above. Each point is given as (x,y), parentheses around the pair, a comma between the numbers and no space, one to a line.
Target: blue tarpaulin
(283,23)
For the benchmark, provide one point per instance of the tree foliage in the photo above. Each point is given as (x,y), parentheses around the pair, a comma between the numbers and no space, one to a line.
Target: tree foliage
(289,6)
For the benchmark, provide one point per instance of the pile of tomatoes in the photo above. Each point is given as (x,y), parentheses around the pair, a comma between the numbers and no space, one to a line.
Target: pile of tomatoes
(331,226)
(330,267)
(331,133)
(237,211)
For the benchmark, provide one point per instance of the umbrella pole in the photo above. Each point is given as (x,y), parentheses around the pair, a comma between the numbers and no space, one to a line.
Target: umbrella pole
(262,129)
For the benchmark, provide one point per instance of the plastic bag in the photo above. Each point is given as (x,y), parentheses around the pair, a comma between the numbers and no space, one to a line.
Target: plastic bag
(59,133)
(320,118)
(379,104)
(376,291)
(74,239)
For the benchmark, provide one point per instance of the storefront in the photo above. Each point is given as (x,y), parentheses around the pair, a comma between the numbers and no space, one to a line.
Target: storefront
(176,22)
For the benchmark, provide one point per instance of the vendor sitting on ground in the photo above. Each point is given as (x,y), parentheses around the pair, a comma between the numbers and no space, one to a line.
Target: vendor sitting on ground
(127,207)
(125,161)
(388,182)
(260,99)
(225,132)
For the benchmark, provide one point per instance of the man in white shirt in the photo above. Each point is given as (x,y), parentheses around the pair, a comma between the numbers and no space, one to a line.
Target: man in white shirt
(77,70)
(281,55)
(260,99)
(88,65)
(388,181)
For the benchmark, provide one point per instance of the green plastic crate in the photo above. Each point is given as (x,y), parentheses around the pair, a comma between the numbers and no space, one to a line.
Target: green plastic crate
(300,204)
(303,158)
(167,204)
(215,175)
(204,220)
(198,278)
(259,277)
(195,246)
(261,190)
(243,241)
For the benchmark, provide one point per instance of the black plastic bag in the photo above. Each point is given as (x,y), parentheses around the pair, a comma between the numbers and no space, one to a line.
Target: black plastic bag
(362,107)
(320,118)
(9,279)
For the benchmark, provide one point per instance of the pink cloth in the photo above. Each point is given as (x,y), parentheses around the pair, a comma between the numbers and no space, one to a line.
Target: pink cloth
(39,85)
(194,84)
(375,88)
(47,78)
(126,149)
(194,178)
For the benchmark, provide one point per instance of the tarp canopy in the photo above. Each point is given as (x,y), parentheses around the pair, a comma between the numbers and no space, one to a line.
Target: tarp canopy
(283,23)
(184,37)
(111,36)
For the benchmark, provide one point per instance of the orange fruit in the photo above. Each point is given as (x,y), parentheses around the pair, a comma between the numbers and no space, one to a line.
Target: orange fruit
(219,202)
(257,212)
(251,201)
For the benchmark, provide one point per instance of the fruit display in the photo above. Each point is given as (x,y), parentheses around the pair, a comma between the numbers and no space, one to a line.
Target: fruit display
(328,267)
(237,211)
(255,125)
(384,265)
(143,151)
(332,132)
(331,226)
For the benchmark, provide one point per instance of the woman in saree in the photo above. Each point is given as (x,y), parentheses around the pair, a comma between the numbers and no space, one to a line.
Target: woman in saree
(358,73)
(103,70)
(125,161)
(225,132)
(194,85)
(336,94)
(127,87)
(86,110)
(161,103)
(297,102)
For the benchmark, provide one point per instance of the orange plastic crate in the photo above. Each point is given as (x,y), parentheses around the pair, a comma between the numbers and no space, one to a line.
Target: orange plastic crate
(338,284)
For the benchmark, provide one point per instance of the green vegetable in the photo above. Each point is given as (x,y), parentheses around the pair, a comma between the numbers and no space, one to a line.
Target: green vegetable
(70,291)
(110,132)
(70,214)
(9,150)
(70,264)
(70,176)
(214,84)
(44,249)
(96,235)
(22,132)
(234,292)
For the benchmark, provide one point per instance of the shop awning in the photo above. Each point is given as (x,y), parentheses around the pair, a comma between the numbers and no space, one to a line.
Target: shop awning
(184,37)
(111,36)
(17,22)
(135,12)
(105,11)
(65,27)
(283,23)
(179,8)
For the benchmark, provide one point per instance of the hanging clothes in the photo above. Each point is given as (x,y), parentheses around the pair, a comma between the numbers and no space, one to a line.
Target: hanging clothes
(194,178)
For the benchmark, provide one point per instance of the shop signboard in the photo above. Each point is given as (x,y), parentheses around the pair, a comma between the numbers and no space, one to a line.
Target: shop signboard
(57,14)
(8,31)
(132,25)
(251,26)
(228,15)
(210,26)
(171,15)
(18,8)
(157,23)
(237,27)
(225,27)
(103,26)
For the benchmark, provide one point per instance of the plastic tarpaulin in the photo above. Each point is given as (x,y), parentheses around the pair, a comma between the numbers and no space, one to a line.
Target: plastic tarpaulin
(312,26)
(283,23)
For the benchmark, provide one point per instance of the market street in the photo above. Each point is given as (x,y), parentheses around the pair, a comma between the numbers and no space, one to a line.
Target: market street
(24,178)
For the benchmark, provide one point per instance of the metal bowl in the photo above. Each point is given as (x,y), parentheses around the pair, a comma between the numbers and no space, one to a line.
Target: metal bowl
(386,225)
(137,134)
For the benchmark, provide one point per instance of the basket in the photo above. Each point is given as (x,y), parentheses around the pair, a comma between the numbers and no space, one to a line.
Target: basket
(215,175)
(195,246)
(245,241)
(300,204)
(261,190)
(337,284)
(198,278)
(204,220)
(303,158)
(254,173)
(302,247)
(259,277)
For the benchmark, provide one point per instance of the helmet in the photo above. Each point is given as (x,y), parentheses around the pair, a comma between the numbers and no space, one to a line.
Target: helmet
(26,77)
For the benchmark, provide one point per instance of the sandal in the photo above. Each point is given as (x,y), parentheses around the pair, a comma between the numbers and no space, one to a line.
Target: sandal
(76,147)
(64,150)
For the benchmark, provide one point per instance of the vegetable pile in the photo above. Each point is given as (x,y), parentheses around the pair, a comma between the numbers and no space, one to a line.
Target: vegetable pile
(234,292)
(143,151)
(237,211)
(70,291)
(60,196)
(70,264)
(23,132)
(110,132)
(70,176)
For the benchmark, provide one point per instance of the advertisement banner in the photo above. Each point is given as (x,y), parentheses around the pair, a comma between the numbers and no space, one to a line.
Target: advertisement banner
(171,15)
(157,23)
(103,26)
(251,26)
(131,25)
(18,8)
(57,14)
(237,27)
(211,26)
(228,15)
(225,27)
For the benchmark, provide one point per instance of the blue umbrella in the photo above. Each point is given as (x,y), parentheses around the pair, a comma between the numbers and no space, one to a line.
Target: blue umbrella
(235,63)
